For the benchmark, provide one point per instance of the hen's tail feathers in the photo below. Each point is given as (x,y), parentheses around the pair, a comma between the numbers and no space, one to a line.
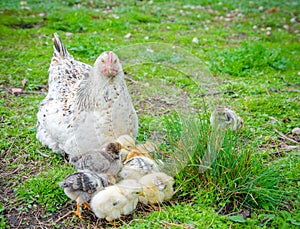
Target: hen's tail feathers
(60,50)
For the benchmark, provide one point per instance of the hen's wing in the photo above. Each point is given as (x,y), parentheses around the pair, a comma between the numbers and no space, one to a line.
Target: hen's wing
(55,113)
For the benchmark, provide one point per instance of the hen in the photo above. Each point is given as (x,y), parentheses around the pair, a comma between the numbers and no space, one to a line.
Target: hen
(85,107)
(82,185)
(100,161)
(116,200)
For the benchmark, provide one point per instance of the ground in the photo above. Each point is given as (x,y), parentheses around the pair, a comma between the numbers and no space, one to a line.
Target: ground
(177,55)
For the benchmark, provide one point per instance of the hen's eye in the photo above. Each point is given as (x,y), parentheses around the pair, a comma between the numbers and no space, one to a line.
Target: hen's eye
(102,60)
(115,61)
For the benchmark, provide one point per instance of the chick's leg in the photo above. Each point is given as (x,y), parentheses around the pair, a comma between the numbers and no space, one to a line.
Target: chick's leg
(114,224)
(154,207)
(78,210)
(87,206)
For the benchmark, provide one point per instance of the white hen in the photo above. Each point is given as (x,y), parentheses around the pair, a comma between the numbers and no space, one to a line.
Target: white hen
(86,107)
(116,200)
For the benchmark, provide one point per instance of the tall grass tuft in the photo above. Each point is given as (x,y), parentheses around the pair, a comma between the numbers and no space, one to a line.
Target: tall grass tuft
(221,162)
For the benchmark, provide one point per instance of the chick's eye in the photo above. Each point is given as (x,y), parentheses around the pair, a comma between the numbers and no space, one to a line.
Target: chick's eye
(114,203)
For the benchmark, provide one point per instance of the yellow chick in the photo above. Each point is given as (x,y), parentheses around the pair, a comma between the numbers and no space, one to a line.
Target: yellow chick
(157,187)
(138,166)
(142,150)
(82,185)
(116,200)
(126,141)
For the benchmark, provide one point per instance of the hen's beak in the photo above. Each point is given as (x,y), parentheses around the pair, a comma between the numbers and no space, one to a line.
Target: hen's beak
(109,71)
(109,68)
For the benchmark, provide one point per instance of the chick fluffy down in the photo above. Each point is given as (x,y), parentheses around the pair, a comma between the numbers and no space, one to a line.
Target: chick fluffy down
(157,188)
(116,200)
(80,186)
(137,167)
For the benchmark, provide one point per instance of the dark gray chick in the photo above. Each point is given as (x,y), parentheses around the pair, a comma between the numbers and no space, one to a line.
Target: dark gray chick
(100,161)
(81,186)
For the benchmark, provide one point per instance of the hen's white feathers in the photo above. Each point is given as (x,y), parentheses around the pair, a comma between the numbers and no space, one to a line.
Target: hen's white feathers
(55,112)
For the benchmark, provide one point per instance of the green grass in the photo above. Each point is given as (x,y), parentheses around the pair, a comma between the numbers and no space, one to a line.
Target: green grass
(44,189)
(242,49)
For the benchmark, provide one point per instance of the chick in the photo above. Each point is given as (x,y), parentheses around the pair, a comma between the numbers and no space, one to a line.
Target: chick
(142,150)
(135,153)
(82,185)
(102,161)
(130,149)
(157,187)
(116,200)
(137,167)
(223,117)
(126,141)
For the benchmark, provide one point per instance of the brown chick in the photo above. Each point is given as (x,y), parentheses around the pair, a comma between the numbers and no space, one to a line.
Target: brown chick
(81,187)
(102,161)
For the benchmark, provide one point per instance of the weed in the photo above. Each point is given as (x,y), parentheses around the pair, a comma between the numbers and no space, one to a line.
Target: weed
(218,162)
